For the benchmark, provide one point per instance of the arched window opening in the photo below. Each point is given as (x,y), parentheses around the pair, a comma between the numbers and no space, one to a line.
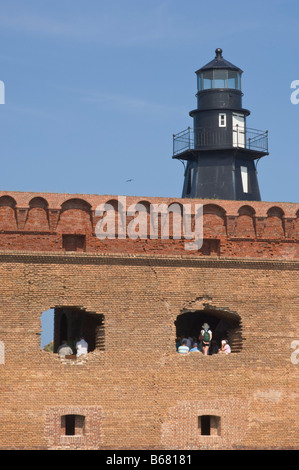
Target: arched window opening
(223,324)
(67,325)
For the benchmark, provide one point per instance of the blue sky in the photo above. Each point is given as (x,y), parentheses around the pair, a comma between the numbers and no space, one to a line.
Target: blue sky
(94,90)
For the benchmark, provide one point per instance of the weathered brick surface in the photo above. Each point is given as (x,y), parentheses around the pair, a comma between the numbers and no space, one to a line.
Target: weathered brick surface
(37,222)
(137,392)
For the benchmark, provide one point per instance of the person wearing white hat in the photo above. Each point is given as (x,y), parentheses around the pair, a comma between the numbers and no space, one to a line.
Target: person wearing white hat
(225,347)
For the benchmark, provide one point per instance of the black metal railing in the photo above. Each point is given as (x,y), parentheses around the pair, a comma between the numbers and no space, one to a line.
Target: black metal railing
(190,139)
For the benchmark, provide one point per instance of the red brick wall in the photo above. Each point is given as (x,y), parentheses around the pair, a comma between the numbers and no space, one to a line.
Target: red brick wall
(144,395)
(137,392)
(34,222)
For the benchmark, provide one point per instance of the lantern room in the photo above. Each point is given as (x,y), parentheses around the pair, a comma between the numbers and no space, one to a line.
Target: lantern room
(219,73)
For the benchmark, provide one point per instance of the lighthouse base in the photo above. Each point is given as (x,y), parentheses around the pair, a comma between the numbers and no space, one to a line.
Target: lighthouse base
(222,175)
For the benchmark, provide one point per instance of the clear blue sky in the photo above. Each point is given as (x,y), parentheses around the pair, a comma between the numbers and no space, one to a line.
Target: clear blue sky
(94,90)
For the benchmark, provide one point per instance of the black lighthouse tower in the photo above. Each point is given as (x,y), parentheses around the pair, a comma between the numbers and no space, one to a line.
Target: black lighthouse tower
(220,152)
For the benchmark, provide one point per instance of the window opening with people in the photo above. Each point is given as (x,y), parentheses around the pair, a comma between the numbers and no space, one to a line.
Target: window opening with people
(208,332)
(75,332)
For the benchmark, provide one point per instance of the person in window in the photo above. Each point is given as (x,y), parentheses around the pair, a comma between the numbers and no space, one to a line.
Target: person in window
(81,346)
(64,349)
(225,347)
(183,349)
(194,348)
(188,340)
(205,337)
(178,342)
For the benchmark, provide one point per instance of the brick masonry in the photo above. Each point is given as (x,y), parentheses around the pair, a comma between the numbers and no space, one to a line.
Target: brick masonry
(137,392)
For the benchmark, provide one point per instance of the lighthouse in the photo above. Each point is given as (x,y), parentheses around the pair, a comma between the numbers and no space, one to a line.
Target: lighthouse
(220,152)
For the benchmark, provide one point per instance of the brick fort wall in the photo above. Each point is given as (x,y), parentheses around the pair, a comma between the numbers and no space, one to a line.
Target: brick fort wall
(134,391)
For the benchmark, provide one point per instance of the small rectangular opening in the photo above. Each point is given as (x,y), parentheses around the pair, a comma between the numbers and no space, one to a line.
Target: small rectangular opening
(70,425)
(73,425)
(205,425)
(210,247)
(209,425)
(74,242)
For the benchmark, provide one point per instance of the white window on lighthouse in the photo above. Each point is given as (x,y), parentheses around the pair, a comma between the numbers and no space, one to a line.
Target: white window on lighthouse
(222,120)
(244,177)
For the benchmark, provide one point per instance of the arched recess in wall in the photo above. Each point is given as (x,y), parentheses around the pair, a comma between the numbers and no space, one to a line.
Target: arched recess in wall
(8,219)
(156,220)
(176,219)
(223,323)
(37,219)
(214,221)
(69,323)
(75,217)
(139,219)
(245,226)
(110,219)
(166,221)
(273,227)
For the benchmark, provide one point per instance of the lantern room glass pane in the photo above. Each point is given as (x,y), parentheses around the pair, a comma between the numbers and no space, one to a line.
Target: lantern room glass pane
(232,79)
(207,80)
(199,82)
(220,79)
(239,81)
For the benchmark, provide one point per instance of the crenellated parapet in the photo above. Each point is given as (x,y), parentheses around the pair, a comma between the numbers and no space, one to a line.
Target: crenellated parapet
(66,222)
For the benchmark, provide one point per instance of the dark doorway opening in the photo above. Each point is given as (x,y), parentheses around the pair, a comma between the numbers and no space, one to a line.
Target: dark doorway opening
(209,425)
(74,242)
(70,425)
(73,425)
(205,425)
